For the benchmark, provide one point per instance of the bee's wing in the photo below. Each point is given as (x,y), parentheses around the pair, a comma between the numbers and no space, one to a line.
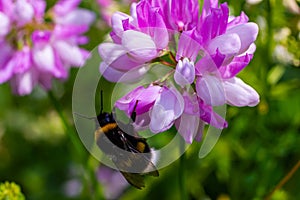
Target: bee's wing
(126,163)
(135,161)
(154,172)
(143,161)
(136,180)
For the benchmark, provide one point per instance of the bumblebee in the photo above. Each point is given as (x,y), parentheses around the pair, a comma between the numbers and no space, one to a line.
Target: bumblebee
(130,153)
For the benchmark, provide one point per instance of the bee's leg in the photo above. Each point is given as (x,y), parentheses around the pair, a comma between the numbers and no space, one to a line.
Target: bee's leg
(133,114)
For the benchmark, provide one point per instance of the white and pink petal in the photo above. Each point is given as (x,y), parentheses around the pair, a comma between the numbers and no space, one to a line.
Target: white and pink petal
(247,33)
(211,90)
(239,93)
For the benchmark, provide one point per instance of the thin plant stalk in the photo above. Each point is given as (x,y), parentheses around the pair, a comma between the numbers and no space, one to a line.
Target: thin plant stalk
(181,173)
(284,180)
(89,177)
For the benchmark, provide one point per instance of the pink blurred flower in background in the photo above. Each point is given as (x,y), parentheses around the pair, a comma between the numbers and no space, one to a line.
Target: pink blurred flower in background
(112,181)
(40,46)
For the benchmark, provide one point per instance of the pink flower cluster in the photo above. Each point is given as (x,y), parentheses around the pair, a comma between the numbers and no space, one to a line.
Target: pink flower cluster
(37,46)
(204,52)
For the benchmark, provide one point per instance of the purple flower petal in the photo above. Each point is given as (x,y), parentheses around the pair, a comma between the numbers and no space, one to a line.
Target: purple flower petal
(132,41)
(22,60)
(142,121)
(239,93)
(207,5)
(188,46)
(23,12)
(114,75)
(44,58)
(77,17)
(7,6)
(251,50)
(66,31)
(123,103)
(235,66)
(185,72)
(218,58)
(39,7)
(191,105)
(6,72)
(110,52)
(247,34)
(180,15)
(24,83)
(6,64)
(167,108)
(4,24)
(62,6)
(70,54)
(61,69)
(117,23)
(183,14)
(207,65)
(146,97)
(227,44)
(210,88)
(116,56)
(214,23)
(39,38)
(233,21)
(161,119)
(200,131)
(187,126)
(150,21)
(208,115)
(112,181)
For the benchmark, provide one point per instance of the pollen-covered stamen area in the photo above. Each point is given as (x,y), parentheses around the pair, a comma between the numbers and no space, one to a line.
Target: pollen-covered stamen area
(22,36)
(180,25)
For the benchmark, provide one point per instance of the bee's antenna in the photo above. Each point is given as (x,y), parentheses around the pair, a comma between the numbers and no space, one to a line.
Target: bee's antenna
(133,114)
(101,101)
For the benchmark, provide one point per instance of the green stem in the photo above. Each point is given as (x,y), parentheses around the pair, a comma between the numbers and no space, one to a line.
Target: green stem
(182,183)
(269,44)
(89,179)
(69,130)
(284,180)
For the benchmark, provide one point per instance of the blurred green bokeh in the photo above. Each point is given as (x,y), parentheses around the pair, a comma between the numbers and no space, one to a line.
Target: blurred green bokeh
(254,153)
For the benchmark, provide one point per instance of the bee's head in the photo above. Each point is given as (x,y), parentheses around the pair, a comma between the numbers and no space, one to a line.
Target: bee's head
(105,118)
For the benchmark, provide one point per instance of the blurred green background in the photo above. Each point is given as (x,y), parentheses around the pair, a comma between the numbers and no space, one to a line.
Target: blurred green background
(252,156)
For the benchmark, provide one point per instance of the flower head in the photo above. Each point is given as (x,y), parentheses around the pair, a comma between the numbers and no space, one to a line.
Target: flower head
(203,52)
(40,46)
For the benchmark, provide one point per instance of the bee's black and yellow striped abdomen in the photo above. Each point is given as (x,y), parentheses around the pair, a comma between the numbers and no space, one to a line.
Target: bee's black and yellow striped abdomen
(130,153)
(105,129)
